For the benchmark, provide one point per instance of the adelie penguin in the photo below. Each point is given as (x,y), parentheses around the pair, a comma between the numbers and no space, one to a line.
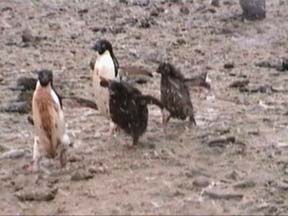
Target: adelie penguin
(50,137)
(128,107)
(175,95)
(105,67)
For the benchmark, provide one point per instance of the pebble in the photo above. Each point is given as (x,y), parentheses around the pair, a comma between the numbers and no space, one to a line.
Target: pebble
(141,3)
(282,186)
(184,10)
(221,141)
(215,3)
(223,194)
(229,65)
(37,194)
(13,154)
(245,184)
(239,83)
(81,175)
(201,181)
(253,9)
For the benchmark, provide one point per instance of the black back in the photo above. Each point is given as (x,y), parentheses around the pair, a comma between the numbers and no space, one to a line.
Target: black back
(59,97)
(128,109)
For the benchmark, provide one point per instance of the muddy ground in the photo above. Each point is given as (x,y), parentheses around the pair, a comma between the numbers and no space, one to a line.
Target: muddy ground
(233,162)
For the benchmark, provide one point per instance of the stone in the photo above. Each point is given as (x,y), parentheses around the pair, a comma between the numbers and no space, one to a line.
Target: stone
(253,9)
(37,194)
(201,181)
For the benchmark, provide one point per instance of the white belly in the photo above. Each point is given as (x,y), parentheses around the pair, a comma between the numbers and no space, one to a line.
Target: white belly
(104,67)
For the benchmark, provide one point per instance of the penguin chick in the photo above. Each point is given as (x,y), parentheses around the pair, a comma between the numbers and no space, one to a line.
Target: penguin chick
(48,118)
(175,95)
(106,66)
(128,107)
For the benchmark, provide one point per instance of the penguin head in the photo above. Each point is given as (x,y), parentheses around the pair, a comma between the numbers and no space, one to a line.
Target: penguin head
(45,77)
(165,69)
(102,46)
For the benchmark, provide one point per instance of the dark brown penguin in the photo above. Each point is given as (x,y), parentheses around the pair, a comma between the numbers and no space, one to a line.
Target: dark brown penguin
(175,95)
(128,107)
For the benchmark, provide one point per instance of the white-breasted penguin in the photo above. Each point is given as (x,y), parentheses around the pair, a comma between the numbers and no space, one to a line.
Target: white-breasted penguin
(50,137)
(106,67)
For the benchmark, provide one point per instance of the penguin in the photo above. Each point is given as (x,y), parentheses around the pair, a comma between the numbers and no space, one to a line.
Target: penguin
(105,67)
(128,107)
(175,95)
(48,118)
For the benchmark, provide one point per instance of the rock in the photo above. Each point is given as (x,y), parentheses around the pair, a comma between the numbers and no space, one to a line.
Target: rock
(80,175)
(52,181)
(225,194)
(215,3)
(279,65)
(81,12)
(180,41)
(282,186)
(74,158)
(123,2)
(229,65)
(245,184)
(97,170)
(156,11)
(266,64)
(201,181)
(221,141)
(144,23)
(141,3)
(253,9)
(184,10)
(99,29)
(284,64)
(239,83)
(28,38)
(37,194)
(25,84)
(234,175)
(19,107)
(30,120)
(3,148)
(13,154)
(264,89)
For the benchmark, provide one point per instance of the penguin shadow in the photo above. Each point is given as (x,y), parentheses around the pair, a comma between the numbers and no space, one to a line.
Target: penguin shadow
(176,128)
(125,141)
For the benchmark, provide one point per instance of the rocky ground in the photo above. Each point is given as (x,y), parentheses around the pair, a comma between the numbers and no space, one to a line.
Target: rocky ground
(233,162)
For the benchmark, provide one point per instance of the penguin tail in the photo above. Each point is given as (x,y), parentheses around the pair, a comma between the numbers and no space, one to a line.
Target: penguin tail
(152,100)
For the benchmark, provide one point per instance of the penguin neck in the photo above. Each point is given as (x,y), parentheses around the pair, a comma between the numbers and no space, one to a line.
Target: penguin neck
(105,57)
(39,86)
